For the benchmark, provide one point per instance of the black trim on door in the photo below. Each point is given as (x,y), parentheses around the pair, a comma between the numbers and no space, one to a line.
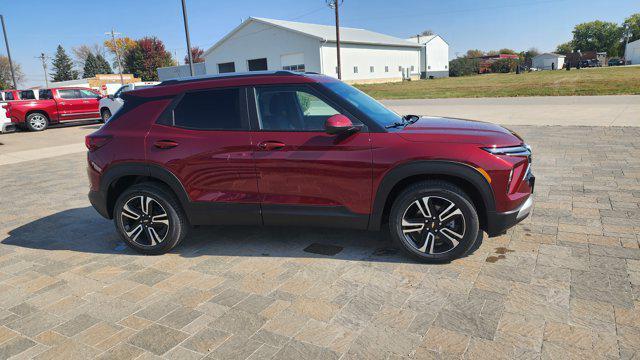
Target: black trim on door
(308,215)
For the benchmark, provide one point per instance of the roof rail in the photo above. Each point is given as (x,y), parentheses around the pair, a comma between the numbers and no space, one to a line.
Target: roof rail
(230,76)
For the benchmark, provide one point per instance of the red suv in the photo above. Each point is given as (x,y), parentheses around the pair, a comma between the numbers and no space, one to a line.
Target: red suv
(285,148)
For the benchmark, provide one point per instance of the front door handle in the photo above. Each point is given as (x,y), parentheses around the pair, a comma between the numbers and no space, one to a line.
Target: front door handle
(165,144)
(270,145)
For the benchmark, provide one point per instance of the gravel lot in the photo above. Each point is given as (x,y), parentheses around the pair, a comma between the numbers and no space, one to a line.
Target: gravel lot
(563,284)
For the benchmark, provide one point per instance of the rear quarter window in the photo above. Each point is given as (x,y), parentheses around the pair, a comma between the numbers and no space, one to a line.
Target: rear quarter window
(209,110)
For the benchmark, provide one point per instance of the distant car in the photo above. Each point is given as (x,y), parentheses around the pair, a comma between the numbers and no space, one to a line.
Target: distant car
(616,62)
(53,106)
(110,104)
(589,63)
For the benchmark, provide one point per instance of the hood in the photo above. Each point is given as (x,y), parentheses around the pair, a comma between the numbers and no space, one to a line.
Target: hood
(439,129)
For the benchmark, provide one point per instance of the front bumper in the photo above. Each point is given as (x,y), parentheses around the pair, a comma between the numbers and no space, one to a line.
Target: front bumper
(499,223)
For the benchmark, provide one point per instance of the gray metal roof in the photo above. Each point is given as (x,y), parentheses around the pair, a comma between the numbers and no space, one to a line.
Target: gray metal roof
(347,35)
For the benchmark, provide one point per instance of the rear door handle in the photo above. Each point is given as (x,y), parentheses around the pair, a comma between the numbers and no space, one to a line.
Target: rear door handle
(165,144)
(271,145)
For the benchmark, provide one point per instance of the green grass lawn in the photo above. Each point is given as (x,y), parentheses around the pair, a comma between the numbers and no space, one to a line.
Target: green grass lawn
(593,81)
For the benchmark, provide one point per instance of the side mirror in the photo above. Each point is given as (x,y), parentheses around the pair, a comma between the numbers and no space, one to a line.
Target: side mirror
(338,124)
(110,96)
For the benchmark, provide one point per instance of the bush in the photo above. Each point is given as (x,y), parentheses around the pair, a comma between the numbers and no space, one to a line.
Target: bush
(504,66)
(464,67)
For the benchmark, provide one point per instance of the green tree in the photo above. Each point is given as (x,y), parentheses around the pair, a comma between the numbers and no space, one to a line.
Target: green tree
(473,53)
(6,82)
(103,65)
(507,51)
(63,66)
(632,23)
(504,65)
(90,66)
(144,59)
(599,36)
(565,48)
(464,67)
(526,57)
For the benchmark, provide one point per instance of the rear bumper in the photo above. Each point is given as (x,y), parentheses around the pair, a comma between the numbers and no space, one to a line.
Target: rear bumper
(99,202)
(499,223)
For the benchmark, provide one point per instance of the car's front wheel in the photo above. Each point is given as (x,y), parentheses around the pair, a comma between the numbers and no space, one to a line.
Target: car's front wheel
(150,219)
(434,221)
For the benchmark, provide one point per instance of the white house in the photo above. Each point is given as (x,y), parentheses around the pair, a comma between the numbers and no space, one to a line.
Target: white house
(632,52)
(434,56)
(548,61)
(267,44)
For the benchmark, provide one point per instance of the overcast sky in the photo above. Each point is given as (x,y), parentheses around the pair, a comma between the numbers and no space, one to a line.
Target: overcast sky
(36,26)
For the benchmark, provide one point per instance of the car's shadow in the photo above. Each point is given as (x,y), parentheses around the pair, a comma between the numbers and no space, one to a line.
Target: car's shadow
(83,230)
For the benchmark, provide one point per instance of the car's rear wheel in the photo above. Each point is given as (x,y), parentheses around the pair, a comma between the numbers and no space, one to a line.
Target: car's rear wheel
(150,219)
(36,122)
(105,114)
(434,221)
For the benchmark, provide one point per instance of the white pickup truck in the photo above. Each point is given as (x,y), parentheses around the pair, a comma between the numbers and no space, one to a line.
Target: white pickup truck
(110,104)
(5,123)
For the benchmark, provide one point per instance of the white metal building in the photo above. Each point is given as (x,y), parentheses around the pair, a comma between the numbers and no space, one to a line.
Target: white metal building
(180,71)
(434,56)
(548,61)
(632,53)
(266,44)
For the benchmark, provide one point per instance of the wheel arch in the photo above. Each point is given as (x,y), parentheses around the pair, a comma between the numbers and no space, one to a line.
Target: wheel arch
(470,180)
(39,111)
(119,177)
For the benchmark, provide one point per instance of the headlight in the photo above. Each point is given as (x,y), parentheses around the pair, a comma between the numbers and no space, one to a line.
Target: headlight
(517,173)
(522,150)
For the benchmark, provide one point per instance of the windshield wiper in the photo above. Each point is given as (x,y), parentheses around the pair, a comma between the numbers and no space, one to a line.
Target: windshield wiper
(406,120)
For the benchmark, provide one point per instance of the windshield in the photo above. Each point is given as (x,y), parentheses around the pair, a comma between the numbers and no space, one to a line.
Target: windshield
(365,103)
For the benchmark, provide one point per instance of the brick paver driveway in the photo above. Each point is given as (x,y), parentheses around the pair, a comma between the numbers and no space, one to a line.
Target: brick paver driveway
(564,284)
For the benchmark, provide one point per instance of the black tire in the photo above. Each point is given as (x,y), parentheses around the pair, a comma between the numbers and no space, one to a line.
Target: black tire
(431,237)
(36,122)
(176,227)
(105,114)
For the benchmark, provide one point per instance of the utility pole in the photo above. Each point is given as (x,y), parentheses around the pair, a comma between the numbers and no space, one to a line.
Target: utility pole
(6,42)
(627,35)
(43,57)
(335,4)
(186,31)
(113,34)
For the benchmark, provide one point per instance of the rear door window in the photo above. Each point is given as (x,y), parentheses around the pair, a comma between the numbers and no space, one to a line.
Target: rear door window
(68,94)
(210,110)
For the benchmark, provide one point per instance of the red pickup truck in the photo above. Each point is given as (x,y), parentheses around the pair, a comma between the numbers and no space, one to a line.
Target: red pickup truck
(54,106)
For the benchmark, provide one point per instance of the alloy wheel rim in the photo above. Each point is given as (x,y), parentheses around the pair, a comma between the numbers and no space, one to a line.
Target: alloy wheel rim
(105,116)
(433,225)
(144,220)
(37,122)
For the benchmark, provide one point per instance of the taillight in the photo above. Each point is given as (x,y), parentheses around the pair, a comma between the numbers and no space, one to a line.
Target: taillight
(95,142)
